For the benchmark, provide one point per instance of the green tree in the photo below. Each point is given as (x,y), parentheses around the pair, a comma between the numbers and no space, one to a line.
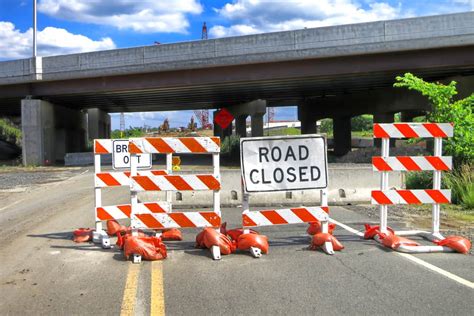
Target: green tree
(445,109)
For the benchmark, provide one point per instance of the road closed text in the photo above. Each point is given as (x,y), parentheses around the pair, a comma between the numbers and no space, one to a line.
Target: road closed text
(285,163)
(290,174)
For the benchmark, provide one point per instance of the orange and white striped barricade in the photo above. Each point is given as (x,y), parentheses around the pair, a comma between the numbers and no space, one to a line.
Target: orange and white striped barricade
(105,179)
(284,163)
(436,163)
(173,182)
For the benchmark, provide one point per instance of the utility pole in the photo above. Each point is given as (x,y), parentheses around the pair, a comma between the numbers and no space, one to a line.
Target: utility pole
(204,31)
(122,124)
(34,28)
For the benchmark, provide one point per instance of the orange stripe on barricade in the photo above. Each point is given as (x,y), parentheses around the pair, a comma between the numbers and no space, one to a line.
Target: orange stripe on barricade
(108,179)
(99,149)
(380,164)
(210,181)
(408,163)
(146,183)
(409,197)
(154,207)
(437,196)
(160,145)
(182,220)
(406,130)
(380,197)
(149,220)
(434,130)
(126,209)
(216,140)
(274,217)
(247,221)
(133,149)
(437,163)
(304,215)
(179,183)
(193,145)
(102,214)
(379,132)
(213,218)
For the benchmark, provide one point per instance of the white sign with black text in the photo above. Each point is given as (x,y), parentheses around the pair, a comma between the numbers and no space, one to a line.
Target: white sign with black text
(283,163)
(121,157)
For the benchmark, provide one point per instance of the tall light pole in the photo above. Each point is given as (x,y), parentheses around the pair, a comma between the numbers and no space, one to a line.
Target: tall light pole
(34,28)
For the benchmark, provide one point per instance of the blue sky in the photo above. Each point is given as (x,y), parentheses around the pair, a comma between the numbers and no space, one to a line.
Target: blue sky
(71,26)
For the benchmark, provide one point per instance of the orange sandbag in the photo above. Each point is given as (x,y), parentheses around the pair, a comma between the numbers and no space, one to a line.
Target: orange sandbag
(150,248)
(372,231)
(210,237)
(458,243)
(320,238)
(113,227)
(82,235)
(246,241)
(171,234)
(393,241)
(122,236)
(316,227)
(236,232)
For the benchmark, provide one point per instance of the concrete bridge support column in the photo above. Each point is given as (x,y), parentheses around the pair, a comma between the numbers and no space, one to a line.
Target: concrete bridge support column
(342,135)
(408,116)
(241,125)
(37,126)
(50,131)
(308,119)
(257,124)
(98,124)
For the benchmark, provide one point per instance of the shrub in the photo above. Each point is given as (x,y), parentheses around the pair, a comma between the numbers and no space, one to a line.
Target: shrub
(231,146)
(461,183)
(419,180)
(362,123)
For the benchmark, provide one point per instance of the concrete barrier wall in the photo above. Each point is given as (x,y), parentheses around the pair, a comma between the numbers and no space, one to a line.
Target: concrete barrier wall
(348,183)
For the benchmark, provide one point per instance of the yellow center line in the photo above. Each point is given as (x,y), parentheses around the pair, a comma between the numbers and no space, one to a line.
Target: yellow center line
(130,292)
(157,305)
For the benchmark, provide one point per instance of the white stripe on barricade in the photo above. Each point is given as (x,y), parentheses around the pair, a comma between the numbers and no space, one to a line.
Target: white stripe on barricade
(411,196)
(167,145)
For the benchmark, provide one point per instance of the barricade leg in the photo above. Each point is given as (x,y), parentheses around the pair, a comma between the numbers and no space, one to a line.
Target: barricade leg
(327,247)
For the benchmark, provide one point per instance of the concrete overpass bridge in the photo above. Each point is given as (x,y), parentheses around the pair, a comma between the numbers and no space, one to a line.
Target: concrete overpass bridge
(337,72)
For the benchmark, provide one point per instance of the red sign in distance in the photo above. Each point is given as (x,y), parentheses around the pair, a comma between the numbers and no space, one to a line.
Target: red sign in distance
(223,118)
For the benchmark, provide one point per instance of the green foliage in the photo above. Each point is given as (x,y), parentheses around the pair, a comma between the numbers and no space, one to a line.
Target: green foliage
(362,123)
(9,132)
(419,180)
(326,126)
(231,145)
(284,131)
(447,110)
(461,183)
(128,133)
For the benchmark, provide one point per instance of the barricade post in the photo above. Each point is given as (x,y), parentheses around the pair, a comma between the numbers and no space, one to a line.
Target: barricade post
(271,164)
(436,163)
(172,182)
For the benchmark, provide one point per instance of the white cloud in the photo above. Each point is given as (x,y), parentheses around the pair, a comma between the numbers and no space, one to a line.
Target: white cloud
(15,44)
(152,16)
(259,16)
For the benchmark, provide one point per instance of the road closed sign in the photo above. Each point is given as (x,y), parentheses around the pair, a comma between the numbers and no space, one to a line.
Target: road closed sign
(283,163)
(121,157)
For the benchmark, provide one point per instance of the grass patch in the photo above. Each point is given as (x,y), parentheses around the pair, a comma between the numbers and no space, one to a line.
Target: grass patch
(284,131)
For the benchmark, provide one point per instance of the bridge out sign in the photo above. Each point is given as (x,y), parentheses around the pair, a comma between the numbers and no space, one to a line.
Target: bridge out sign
(283,163)
(121,157)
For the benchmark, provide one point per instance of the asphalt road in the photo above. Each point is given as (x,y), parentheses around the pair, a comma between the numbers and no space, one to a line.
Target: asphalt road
(44,273)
